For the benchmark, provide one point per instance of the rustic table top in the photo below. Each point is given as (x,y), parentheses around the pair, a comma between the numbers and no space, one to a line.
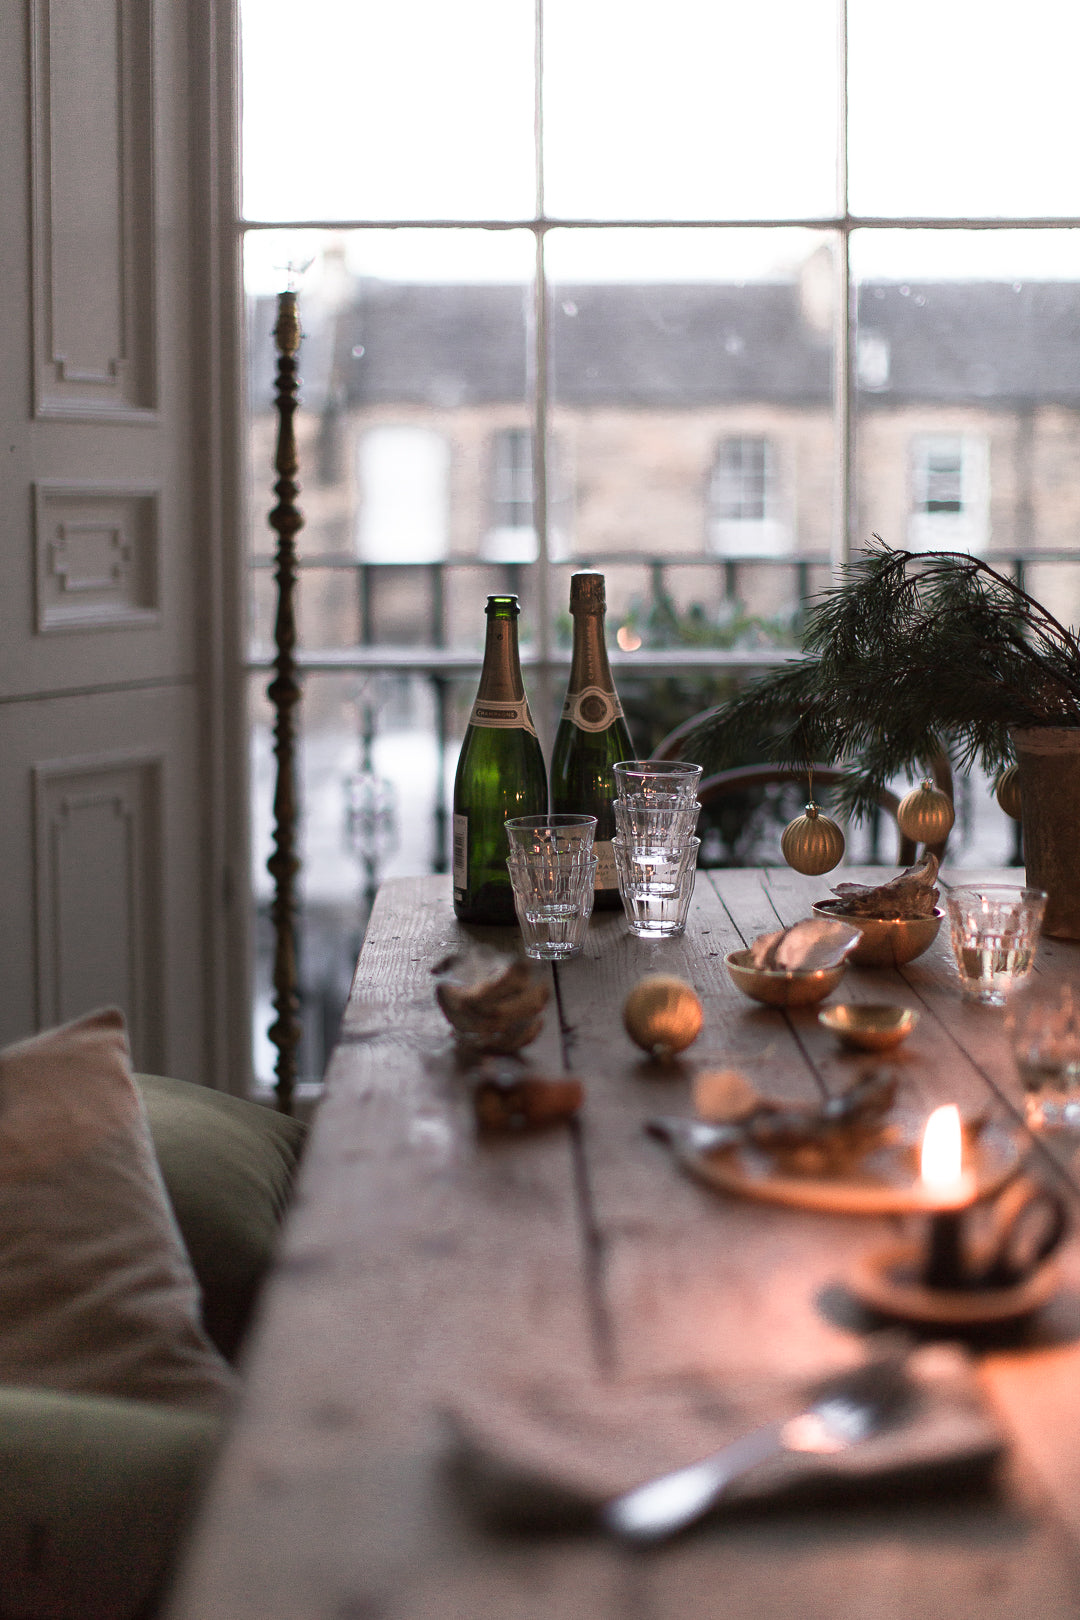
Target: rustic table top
(424,1263)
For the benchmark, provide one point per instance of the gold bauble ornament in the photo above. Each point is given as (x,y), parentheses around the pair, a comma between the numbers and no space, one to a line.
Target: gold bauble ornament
(662,1014)
(812,843)
(1007,791)
(926,814)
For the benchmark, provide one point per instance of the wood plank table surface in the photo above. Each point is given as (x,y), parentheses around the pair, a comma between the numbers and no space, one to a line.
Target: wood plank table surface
(425,1265)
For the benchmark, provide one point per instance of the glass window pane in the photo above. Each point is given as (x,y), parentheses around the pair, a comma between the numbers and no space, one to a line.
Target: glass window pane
(968,413)
(692,398)
(416,110)
(414,431)
(957,109)
(690,110)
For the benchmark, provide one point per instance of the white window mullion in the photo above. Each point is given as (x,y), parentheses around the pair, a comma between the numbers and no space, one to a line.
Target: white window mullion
(545,696)
(843,401)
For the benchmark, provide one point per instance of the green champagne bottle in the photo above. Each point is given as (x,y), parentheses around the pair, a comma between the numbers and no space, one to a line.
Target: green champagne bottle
(592,735)
(500,773)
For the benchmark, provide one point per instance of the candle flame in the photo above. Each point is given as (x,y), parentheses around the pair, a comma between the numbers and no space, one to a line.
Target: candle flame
(942,1150)
(628,639)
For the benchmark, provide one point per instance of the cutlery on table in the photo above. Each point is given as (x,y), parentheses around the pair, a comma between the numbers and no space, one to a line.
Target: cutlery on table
(852,1408)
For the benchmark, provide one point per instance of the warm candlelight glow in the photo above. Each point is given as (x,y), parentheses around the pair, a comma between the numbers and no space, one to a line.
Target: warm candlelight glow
(942,1162)
(628,639)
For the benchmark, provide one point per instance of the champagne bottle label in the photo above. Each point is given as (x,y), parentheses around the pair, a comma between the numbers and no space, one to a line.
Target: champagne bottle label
(607,876)
(461,852)
(497,716)
(592,709)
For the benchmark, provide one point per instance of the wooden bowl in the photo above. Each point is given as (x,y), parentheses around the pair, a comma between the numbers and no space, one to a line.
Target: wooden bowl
(777,987)
(886,941)
(873,1027)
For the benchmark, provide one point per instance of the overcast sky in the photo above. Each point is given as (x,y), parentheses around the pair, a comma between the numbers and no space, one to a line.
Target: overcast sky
(694,109)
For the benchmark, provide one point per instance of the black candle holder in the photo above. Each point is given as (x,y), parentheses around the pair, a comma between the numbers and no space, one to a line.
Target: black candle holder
(982,1262)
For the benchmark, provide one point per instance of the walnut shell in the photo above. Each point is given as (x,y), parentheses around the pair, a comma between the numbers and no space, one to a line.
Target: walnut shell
(495,1003)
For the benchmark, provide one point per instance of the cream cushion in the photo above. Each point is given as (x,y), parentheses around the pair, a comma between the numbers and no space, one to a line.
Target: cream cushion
(97,1294)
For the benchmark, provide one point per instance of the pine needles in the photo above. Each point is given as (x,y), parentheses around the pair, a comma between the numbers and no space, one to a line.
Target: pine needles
(909,657)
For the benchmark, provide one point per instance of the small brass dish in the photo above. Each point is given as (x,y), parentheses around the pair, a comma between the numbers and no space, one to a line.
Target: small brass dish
(873,1027)
(886,941)
(777,987)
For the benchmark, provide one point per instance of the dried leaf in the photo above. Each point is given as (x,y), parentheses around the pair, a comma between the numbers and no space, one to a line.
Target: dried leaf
(806,946)
(910,894)
(509,1105)
(494,1002)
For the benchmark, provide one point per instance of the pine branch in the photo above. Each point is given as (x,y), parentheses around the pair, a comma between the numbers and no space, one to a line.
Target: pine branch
(908,657)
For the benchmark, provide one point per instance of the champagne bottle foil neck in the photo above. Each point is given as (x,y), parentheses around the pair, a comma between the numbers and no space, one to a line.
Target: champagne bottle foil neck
(587,593)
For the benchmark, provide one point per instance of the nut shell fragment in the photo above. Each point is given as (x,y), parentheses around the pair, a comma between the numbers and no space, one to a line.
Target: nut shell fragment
(495,1003)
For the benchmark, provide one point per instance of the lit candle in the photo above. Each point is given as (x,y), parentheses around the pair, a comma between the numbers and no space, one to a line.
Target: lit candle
(948,1189)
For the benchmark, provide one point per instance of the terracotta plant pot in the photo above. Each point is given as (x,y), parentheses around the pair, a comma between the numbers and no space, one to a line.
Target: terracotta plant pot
(1049,760)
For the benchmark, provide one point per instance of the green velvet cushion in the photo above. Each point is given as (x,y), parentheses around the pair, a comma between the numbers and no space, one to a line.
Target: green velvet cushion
(95,1495)
(228,1166)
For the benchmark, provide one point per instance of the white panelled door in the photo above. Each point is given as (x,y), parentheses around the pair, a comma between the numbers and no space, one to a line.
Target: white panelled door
(117,641)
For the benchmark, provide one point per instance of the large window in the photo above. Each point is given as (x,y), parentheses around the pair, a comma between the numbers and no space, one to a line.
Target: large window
(702,303)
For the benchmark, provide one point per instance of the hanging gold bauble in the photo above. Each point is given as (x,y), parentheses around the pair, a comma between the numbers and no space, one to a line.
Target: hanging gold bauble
(812,844)
(926,814)
(1007,791)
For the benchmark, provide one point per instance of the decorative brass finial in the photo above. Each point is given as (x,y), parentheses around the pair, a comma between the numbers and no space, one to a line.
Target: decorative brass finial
(287,333)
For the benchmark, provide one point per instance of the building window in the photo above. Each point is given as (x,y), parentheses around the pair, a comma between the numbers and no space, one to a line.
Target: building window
(950,504)
(404,491)
(743,500)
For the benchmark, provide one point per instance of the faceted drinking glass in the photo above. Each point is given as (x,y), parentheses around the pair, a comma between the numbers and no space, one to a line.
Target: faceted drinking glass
(668,827)
(553,834)
(663,782)
(1043,1027)
(655,884)
(553,898)
(994,929)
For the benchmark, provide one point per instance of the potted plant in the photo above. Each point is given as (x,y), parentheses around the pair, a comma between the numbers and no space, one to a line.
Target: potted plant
(914,655)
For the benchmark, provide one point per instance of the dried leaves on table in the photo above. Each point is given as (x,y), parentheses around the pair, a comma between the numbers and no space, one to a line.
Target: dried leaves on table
(828,1140)
(495,1005)
(805,947)
(912,894)
(525,1103)
(494,1002)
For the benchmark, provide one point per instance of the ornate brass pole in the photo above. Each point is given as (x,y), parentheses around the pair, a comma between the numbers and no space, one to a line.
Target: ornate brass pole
(284,694)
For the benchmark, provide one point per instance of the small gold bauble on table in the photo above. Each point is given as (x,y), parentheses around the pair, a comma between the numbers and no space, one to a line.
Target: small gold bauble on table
(812,843)
(663,1015)
(926,814)
(1007,791)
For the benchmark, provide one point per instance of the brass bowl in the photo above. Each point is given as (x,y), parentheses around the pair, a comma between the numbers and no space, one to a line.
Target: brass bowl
(886,941)
(777,987)
(874,1026)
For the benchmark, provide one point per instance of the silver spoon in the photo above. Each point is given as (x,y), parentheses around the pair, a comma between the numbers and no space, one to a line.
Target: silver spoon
(862,1404)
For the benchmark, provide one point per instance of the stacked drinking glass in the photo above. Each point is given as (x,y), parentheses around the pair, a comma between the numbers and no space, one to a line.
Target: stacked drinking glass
(553,875)
(656,811)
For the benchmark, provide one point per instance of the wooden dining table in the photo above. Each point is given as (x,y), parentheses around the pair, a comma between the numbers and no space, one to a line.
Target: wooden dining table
(431,1269)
